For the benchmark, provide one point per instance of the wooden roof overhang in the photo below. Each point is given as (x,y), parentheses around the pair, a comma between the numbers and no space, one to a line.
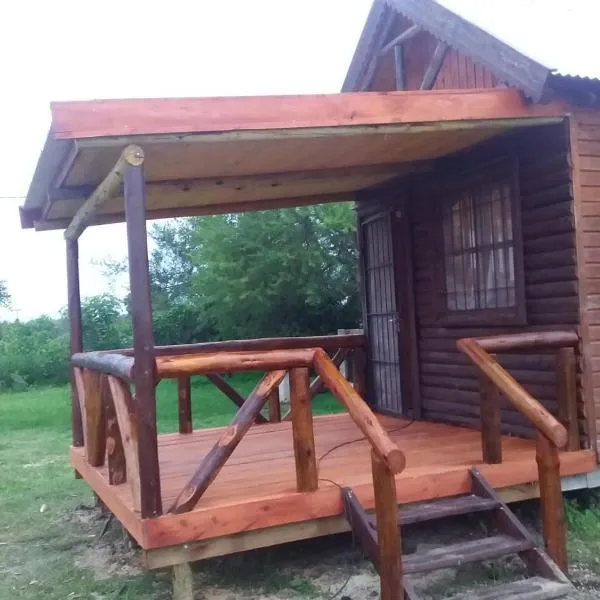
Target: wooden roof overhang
(220,155)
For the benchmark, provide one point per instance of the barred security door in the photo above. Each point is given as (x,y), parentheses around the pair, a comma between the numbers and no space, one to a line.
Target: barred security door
(380,305)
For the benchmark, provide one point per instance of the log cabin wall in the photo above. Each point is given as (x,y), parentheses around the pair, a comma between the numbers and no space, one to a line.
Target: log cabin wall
(448,383)
(585,144)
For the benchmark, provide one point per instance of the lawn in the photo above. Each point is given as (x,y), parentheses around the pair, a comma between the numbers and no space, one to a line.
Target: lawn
(47,526)
(55,545)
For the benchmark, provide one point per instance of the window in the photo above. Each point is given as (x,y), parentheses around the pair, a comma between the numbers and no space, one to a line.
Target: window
(481,247)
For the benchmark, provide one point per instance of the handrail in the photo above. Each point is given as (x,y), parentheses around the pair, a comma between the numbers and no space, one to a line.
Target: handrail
(105,362)
(328,342)
(522,400)
(529,341)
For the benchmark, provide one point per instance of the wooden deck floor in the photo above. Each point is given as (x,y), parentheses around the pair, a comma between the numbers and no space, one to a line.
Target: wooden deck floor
(256,488)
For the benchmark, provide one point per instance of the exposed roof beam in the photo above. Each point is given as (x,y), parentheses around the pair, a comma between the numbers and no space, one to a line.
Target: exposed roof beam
(131,156)
(365,82)
(399,66)
(435,64)
(400,39)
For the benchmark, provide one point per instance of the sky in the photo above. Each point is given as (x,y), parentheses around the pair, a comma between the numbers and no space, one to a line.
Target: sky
(76,50)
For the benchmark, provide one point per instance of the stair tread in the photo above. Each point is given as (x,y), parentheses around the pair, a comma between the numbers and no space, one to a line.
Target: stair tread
(464,552)
(534,588)
(445,507)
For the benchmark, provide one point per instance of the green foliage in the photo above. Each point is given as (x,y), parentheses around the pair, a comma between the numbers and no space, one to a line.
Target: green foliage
(284,272)
(105,325)
(4,295)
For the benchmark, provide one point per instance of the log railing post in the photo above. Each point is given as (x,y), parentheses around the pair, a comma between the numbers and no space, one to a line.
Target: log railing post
(143,337)
(566,393)
(302,430)
(76,335)
(388,532)
(115,452)
(93,414)
(274,406)
(184,396)
(491,434)
(551,501)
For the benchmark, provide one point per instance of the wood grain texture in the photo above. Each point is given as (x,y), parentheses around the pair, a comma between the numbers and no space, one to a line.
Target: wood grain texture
(256,489)
(566,379)
(214,461)
(115,453)
(302,430)
(551,502)
(388,532)
(103,118)
(126,418)
(94,423)
(184,401)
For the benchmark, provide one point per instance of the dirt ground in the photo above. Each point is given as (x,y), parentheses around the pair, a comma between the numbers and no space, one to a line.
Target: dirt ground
(328,569)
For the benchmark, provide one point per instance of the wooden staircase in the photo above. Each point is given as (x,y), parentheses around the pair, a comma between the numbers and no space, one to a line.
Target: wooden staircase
(546,581)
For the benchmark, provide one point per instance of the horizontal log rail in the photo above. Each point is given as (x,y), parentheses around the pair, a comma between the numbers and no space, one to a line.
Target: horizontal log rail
(327,342)
(552,434)
(108,363)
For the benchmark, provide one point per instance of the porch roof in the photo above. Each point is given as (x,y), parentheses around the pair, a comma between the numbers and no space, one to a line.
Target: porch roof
(218,155)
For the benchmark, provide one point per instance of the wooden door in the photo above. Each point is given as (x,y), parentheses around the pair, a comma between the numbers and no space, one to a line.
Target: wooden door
(381,311)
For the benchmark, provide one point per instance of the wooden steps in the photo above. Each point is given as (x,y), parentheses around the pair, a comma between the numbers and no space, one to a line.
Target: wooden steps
(534,588)
(547,581)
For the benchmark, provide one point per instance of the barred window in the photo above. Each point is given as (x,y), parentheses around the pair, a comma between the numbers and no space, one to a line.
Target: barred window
(480,244)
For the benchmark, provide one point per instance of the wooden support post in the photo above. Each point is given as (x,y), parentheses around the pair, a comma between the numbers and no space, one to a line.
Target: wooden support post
(399,64)
(76,335)
(95,429)
(491,432)
(143,338)
(359,370)
(435,64)
(302,430)
(183,582)
(566,393)
(551,501)
(115,453)
(274,406)
(217,456)
(184,393)
(388,532)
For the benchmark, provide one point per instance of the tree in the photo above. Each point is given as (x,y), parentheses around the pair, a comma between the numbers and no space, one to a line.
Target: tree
(105,325)
(283,272)
(4,295)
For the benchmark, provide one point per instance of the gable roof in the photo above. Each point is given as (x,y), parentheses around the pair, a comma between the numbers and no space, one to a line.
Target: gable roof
(498,34)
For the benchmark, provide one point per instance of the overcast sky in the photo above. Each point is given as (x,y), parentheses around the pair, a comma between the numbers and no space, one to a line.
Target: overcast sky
(77,50)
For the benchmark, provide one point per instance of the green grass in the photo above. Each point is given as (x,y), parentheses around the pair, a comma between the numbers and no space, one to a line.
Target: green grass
(47,537)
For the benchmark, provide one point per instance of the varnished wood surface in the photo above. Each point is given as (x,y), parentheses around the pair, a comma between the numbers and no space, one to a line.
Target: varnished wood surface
(256,488)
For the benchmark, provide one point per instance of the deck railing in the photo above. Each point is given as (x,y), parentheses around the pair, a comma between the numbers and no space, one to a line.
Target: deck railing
(552,434)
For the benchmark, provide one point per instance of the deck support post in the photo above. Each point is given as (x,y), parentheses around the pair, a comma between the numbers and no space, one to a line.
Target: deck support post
(302,430)
(566,393)
(143,338)
(551,501)
(491,432)
(274,406)
(388,532)
(183,582)
(75,333)
(184,396)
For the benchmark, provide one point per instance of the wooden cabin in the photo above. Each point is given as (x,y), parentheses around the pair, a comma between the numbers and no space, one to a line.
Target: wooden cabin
(474,170)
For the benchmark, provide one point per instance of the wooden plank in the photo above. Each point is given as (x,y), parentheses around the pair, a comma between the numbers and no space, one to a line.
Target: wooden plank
(107,118)
(145,376)
(128,427)
(184,398)
(232,362)
(388,532)
(75,334)
(213,462)
(302,430)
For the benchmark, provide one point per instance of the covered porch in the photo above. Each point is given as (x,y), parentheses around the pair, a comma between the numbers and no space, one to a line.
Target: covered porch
(270,478)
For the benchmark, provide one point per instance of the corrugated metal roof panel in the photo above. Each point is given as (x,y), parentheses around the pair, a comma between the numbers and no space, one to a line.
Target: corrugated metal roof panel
(559,34)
